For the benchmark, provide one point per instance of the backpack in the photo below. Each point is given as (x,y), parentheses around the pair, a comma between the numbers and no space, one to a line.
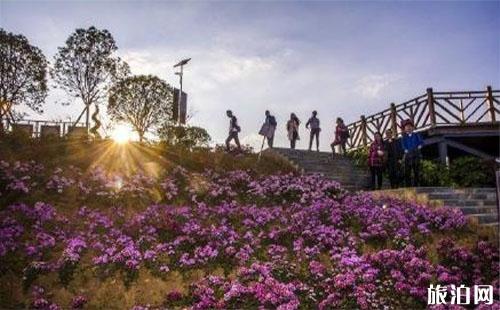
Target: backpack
(272,121)
(345,134)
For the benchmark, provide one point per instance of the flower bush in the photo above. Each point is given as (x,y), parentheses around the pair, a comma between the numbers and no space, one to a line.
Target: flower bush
(226,239)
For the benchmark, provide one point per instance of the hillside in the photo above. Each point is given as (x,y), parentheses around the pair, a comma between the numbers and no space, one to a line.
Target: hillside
(101,226)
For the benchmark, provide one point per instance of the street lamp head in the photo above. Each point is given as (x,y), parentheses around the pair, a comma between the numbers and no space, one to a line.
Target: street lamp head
(182,62)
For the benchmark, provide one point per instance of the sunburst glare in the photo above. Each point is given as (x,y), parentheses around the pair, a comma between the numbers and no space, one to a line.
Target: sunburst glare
(123,134)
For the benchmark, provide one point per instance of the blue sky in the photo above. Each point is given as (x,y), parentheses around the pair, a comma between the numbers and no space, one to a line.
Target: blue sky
(340,58)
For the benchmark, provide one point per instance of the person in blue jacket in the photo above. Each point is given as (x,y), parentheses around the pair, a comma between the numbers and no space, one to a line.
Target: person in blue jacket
(411,143)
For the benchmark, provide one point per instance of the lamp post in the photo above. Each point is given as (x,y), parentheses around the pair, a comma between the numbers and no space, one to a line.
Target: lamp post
(180,73)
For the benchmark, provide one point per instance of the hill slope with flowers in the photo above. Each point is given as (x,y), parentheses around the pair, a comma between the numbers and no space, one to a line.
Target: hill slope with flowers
(86,237)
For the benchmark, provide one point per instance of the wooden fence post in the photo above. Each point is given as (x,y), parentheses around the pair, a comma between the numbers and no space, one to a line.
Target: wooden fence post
(430,104)
(491,106)
(394,120)
(363,130)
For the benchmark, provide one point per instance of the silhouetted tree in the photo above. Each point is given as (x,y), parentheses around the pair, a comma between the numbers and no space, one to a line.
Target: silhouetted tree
(23,75)
(85,67)
(144,101)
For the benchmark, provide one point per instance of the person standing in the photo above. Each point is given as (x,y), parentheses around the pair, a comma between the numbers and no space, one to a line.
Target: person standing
(411,144)
(341,136)
(271,128)
(376,161)
(313,122)
(292,127)
(393,154)
(234,129)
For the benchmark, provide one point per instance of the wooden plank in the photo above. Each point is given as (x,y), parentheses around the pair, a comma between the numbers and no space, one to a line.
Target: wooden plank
(473,112)
(471,102)
(444,119)
(453,105)
(438,104)
(469,149)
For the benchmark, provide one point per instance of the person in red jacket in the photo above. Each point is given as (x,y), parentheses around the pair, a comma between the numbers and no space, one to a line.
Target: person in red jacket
(376,161)
(341,136)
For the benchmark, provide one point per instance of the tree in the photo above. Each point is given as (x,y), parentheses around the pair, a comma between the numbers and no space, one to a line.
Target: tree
(23,75)
(185,136)
(144,101)
(85,68)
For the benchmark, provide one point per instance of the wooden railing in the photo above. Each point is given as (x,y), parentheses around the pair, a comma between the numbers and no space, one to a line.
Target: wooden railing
(429,110)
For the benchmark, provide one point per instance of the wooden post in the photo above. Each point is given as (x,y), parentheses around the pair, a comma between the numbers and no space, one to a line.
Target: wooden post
(430,104)
(364,137)
(443,152)
(394,120)
(491,106)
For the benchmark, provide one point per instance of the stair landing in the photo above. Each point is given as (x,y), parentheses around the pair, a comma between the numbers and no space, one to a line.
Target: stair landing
(337,167)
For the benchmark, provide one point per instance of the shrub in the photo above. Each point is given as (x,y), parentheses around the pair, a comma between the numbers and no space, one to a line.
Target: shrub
(466,171)
(433,173)
(471,171)
(359,156)
(184,136)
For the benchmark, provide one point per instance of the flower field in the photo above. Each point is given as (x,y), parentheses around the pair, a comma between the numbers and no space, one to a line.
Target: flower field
(89,239)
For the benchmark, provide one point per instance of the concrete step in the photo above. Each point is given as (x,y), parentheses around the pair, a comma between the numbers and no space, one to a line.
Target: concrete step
(336,167)
(467,202)
(452,195)
(478,210)
(478,190)
(493,225)
(486,218)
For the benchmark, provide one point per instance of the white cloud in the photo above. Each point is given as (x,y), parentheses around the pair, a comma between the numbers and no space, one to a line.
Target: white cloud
(372,86)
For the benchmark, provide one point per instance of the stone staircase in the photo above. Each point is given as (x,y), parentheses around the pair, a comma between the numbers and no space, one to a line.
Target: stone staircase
(478,203)
(339,168)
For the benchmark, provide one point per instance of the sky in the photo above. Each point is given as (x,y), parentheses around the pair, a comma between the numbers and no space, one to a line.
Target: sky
(339,58)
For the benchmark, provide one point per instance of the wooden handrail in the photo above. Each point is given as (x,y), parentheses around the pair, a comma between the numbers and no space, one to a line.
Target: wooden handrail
(443,108)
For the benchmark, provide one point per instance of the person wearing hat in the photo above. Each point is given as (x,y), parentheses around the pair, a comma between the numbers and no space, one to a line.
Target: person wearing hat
(411,144)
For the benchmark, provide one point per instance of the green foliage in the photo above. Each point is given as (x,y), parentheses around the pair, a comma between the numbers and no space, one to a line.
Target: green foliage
(23,74)
(184,136)
(466,171)
(85,67)
(144,101)
(433,173)
(359,156)
(471,171)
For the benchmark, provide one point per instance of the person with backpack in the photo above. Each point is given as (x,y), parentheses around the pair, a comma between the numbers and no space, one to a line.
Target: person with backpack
(292,127)
(313,123)
(341,136)
(376,161)
(271,125)
(234,129)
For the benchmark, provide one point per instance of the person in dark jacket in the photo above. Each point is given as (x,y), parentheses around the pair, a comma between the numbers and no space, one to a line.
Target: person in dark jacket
(341,136)
(234,129)
(411,144)
(393,155)
(313,122)
(376,161)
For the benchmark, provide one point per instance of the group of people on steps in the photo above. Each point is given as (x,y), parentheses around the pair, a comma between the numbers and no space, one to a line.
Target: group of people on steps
(394,155)
(292,127)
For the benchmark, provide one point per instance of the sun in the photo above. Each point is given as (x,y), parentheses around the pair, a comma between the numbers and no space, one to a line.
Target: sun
(122,134)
